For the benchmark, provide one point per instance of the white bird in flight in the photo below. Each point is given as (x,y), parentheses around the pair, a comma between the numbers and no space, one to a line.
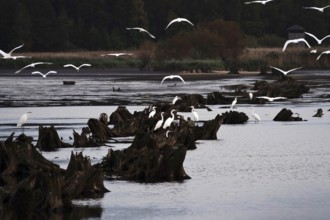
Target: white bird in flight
(285,72)
(317,8)
(32,65)
(141,30)
(271,99)
(295,41)
(77,67)
(261,2)
(44,75)
(324,52)
(23,119)
(179,20)
(172,77)
(319,41)
(9,56)
(117,54)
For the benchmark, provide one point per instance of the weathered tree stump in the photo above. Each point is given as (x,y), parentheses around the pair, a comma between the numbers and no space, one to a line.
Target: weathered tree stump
(319,113)
(49,140)
(234,117)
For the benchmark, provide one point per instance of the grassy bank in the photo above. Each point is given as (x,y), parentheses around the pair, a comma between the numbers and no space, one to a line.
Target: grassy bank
(252,59)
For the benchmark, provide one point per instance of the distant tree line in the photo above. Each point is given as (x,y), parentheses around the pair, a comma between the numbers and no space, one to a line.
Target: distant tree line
(62,25)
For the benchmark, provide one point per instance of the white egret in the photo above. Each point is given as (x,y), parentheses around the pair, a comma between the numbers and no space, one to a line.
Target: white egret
(23,119)
(9,56)
(285,72)
(117,54)
(233,103)
(256,117)
(260,2)
(160,122)
(172,77)
(271,99)
(195,114)
(179,20)
(44,75)
(167,133)
(295,41)
(169,121)
(319,41)
(176,98)
(250,95)
(77,67)
(324,52)
(153,112)
(32,65)
(141,30)
(317,8)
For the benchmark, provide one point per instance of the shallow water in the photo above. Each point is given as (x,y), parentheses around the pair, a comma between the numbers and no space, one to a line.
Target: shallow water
(269,170)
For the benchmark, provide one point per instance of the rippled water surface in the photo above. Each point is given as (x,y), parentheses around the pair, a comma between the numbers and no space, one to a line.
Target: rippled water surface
(270,170)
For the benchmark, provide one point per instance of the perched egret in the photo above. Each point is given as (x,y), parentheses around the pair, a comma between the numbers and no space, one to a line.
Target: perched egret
(77,67)
(172,77)
(23,119)
(169,121)
(250,95)
(195,114)
(176,98)
(271,99)
(295,41)
(233,103)
(32,65)
(153,112)
(179,20)
(43,75)
(141,30)
(160,122)
(256,117)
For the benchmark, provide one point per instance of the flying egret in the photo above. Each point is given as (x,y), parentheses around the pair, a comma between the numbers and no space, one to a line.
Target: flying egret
(295,41)
(44,75)
(317,8)
(9,56)
(179,20)
(32,65)
(195,114)
(285,72)
(160,122)
(169,120)
(233,103)
(176,98)
(172,77)
(319,41)
(117,54)
(271,99)
(141,30)
(23,119)
(77,67)
(261,2)
(324,52)
(256,117)
(153,112)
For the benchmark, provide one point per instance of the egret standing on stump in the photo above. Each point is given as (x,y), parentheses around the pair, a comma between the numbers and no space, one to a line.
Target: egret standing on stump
(23,119)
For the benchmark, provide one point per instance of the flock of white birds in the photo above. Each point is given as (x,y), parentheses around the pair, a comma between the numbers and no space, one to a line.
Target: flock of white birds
(168,122)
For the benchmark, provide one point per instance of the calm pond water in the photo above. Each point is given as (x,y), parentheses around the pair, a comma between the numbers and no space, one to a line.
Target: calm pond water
(270,170)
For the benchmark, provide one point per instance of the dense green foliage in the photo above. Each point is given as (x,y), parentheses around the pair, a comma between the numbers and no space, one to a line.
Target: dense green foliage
(60,25)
